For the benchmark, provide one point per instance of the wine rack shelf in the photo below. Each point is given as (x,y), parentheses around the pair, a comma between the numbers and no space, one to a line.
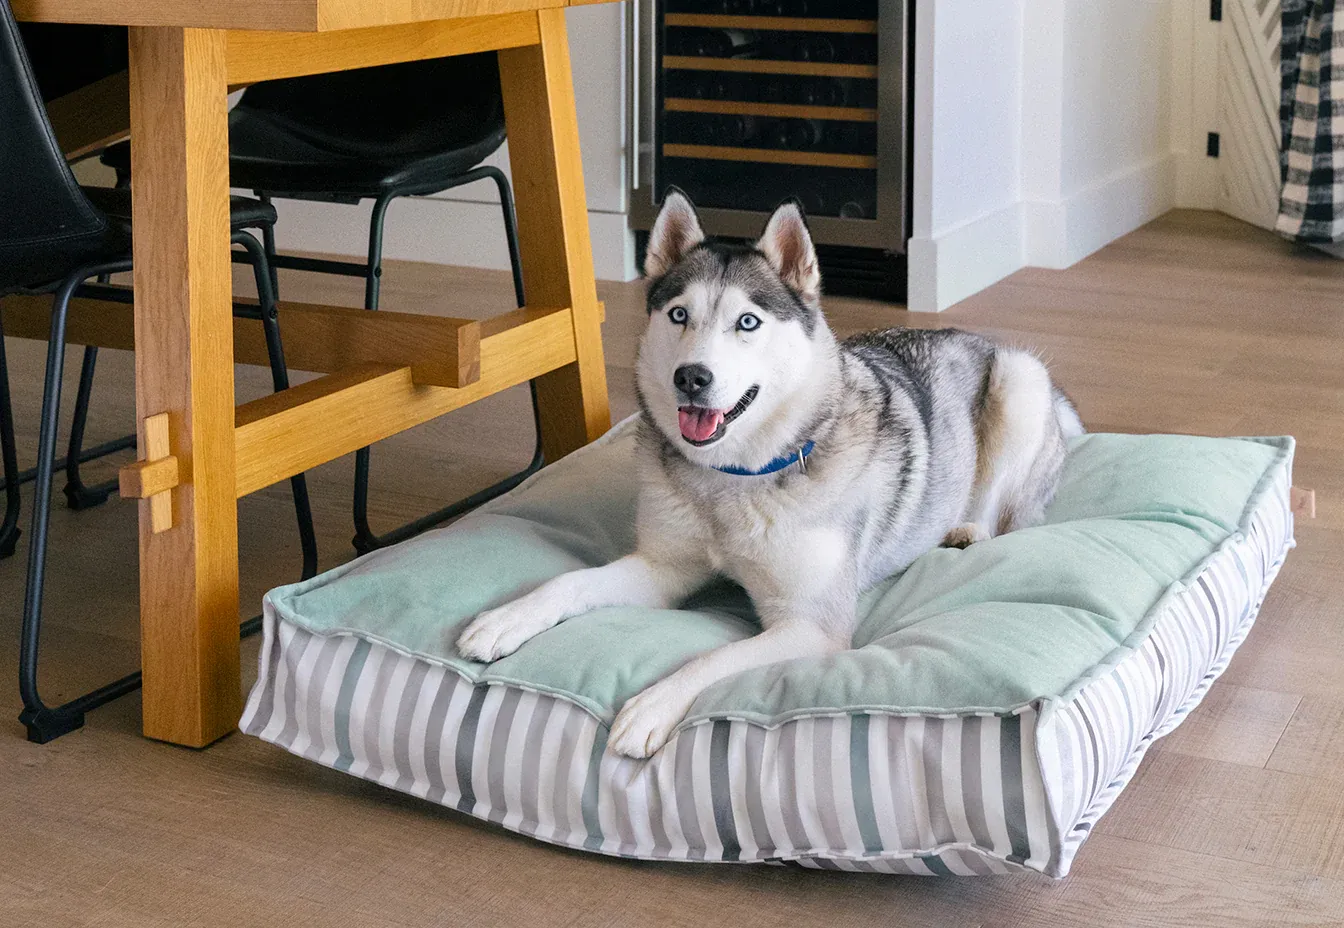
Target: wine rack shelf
(770,156)
(773,110)
(772,23)
(770,66)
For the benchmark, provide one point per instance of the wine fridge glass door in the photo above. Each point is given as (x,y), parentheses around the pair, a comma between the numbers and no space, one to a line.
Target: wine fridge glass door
(744,103)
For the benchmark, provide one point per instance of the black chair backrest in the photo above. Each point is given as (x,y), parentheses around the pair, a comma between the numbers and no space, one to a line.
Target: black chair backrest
(65,58)
(41,205)
(387,111)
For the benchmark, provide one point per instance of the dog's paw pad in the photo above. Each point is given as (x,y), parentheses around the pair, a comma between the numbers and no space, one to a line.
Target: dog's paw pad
(965,535)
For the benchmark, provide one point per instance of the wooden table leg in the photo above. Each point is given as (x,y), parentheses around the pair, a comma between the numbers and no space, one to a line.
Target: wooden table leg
(184,367)
(557,254)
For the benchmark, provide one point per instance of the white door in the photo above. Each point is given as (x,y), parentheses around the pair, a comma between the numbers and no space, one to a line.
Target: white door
(1248,111)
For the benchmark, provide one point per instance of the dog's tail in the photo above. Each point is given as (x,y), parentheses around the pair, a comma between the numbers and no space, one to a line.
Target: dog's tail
(1070,423)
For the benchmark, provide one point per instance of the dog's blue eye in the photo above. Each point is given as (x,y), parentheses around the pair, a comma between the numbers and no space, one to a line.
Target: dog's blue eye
(678,315)
(748,322)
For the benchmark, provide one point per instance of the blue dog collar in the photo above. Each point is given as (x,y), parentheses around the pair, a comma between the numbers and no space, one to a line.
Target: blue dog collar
(798,457)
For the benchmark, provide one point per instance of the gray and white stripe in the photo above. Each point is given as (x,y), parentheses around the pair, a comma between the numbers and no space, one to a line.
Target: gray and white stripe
(1099,736)
(882,793)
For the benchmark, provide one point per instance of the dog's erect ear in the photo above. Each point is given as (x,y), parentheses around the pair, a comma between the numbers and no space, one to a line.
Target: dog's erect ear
(675,232)
(787,245)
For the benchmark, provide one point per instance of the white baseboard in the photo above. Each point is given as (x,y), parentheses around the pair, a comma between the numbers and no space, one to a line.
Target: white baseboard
(961,261)
(1062,232)
(454,232)
(958,262)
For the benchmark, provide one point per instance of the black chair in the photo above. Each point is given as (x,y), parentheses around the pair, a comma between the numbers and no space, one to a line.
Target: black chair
(65,58)
(55,236)
(378,134)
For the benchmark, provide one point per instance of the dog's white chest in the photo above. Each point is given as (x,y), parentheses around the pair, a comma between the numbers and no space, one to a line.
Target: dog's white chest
(776,535)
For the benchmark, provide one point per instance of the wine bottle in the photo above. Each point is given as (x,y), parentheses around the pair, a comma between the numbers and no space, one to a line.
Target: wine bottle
(805,133)
(855,138)
(722,43)
(824,91)
(732,131)
(860,208)
(814,204)
(794,134)
(775,91)
(814,48)
(710,86)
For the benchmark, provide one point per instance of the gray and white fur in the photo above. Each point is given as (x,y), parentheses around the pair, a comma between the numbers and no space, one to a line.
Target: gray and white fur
(920,438)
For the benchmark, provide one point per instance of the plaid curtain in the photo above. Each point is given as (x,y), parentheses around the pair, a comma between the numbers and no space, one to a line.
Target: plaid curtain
(1311,111)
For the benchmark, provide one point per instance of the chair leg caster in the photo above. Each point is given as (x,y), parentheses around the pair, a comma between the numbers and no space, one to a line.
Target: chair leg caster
(48,724)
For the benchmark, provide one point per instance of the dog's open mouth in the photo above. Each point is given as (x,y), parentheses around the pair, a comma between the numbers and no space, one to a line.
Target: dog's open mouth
(703,426)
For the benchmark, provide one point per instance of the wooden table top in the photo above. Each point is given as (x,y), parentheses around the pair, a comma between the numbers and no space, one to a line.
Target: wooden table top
(277,15)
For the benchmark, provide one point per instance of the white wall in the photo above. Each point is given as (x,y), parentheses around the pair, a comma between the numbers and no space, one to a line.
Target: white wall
(464,227)
(1117,164)
(966,222)
(1046,134)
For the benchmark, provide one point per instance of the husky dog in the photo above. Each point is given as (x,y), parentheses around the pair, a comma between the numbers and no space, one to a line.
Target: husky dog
(802,467)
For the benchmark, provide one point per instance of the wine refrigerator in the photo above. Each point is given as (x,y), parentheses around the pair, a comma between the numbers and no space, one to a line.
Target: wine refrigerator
(746,103)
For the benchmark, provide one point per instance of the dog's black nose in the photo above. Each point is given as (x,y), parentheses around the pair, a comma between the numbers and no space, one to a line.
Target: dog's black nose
(692,379)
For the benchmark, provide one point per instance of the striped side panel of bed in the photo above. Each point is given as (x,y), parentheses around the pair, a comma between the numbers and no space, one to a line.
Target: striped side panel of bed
(864,792)
(1097,741)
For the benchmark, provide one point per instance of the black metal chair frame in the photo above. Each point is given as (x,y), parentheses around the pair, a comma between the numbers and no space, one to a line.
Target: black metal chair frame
(44,722)
(365,539)
(77,494)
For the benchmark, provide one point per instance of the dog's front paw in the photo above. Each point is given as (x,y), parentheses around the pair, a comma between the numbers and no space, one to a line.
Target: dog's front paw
(497,633)
(646,721)
(965,535)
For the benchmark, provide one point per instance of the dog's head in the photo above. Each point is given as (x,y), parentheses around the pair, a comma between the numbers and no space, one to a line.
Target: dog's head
(734,335)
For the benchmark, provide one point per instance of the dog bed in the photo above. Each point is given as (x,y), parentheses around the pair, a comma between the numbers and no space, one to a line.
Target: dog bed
(996,701)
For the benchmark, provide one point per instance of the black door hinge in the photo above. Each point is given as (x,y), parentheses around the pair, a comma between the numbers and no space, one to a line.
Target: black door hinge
(1212,149)
(1216,10)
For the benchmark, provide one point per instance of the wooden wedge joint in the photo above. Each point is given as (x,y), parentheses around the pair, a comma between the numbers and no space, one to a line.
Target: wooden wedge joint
(1303,502)
(152,479)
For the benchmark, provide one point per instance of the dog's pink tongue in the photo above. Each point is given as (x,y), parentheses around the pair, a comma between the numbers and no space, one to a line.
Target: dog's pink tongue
(698,424)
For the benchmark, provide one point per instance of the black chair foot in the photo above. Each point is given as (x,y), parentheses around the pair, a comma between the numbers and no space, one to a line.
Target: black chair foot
(9,543)
(365,541)
(82,497)
(49,724)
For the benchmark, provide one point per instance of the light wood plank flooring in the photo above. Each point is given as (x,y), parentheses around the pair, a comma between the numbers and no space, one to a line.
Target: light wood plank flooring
(1195,323)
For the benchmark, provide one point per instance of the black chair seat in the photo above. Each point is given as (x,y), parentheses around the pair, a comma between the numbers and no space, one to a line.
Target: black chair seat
(244,212)
(265,154)
(38,264)
(360,133)
(41,263)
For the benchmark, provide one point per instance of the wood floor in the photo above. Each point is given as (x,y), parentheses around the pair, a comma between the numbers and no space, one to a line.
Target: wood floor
(1195,323)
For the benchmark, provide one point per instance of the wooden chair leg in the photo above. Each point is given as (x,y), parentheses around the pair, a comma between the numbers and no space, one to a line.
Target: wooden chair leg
(552,209)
